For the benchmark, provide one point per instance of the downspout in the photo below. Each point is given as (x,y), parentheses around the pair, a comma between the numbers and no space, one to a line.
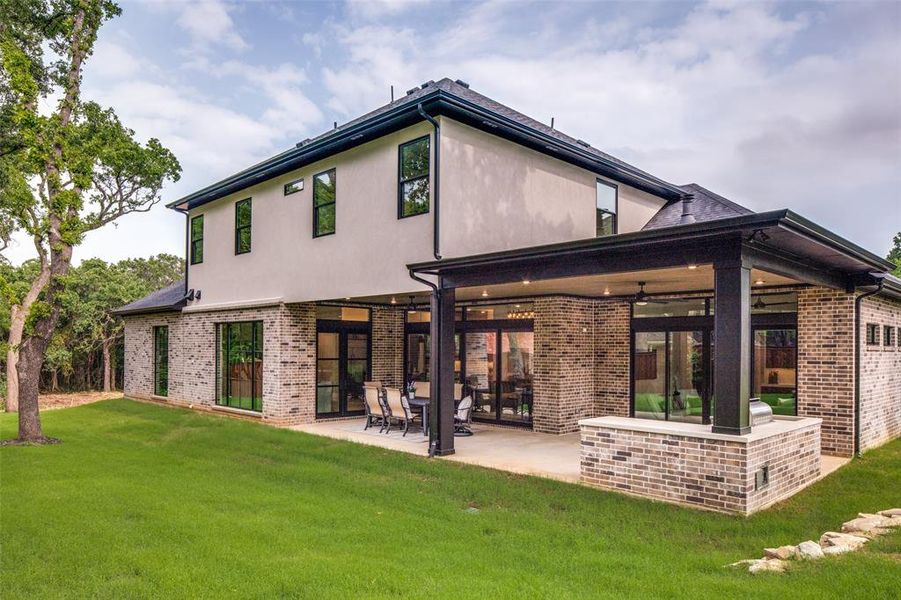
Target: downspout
(433,402)
(436,250)
(857,303)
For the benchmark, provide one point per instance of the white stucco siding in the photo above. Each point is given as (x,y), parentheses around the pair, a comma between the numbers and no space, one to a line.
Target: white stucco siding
(367,255)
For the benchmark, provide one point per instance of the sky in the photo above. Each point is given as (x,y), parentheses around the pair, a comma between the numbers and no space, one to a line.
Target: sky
(773,105)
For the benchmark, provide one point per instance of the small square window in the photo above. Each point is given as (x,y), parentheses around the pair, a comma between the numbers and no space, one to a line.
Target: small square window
(872,334)
(292,187)
(888,336)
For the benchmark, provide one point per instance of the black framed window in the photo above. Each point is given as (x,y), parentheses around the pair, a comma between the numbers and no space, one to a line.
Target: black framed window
(607,200)
(197,240)
(872,334)
(161,360)
(413,178)
(292,187)
(243,220)
(324,200)
(239,365)
(898,336)
(888,335)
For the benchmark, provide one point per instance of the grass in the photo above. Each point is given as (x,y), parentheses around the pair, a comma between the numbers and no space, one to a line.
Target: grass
(145,501)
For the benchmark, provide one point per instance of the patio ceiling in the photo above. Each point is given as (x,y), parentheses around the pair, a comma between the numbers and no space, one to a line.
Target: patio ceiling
(657,281)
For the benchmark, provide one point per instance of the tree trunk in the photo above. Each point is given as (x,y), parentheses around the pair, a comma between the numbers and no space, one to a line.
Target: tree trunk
(31,356)
(12,379)
(18,315)
(107,371)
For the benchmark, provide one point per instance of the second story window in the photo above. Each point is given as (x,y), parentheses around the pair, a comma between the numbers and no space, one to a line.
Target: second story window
(197,240)
(888,336)
(242,226)
(413,186)
(324,203)
(872,334)
(606,208)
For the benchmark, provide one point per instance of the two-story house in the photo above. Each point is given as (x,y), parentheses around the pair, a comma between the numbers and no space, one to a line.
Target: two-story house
(445,238)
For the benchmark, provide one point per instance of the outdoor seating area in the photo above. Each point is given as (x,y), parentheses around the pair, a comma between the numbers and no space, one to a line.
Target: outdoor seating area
(388,407)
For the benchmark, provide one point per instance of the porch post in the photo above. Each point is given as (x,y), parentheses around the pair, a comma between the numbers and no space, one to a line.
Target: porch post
(732,349)
(441,367)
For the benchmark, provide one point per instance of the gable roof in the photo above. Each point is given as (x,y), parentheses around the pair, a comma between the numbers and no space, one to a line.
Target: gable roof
(445,97)
(707,206)
(171,297)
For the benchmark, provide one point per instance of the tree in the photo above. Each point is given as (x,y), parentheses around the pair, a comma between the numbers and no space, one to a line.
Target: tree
(894,254)
(65,173)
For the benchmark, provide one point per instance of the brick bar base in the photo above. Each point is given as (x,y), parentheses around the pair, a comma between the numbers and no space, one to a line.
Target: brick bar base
(684,463)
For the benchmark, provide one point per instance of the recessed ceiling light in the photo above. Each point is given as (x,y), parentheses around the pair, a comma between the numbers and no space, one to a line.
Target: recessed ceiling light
(606,291)
(526,282)
(516,306)
(393,300)
(759,282)
(347,297)
(692,266)
(484,293)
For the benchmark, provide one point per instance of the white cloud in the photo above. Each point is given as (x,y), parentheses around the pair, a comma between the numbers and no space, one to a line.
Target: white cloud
(209,23)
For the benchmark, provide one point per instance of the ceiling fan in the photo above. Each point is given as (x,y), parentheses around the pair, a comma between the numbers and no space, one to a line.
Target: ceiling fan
(760,304)
(641,298)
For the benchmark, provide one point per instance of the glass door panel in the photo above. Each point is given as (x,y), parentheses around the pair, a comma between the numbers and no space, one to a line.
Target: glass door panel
(357,370)
(481,347)
(686,375)
(516,376)
(649,383)
(328,373)
(774,372)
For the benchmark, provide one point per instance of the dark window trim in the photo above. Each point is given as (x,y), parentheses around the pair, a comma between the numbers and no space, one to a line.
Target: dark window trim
(194,260)
(238,229)
(888,336)
(223,401)
(342,328)
(401,181)
(898,337)
(872,334)
(292,182)
(156,360)
(615,212)
(334,203)
(772,327)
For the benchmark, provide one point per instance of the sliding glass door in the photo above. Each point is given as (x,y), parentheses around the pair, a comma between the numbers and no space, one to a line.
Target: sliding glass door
(498,371)
(671,375)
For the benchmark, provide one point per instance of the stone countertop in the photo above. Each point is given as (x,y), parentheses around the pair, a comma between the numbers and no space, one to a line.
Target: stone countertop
(778,426)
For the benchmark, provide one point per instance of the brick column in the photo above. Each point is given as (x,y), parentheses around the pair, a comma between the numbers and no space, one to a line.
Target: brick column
(826,365)
(613,352)
(290,362)
(388,345)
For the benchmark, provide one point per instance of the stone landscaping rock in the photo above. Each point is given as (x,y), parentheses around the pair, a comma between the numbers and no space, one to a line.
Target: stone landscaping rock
(833,550)
(767,565)
(892,512)
(782,552)
(832,538)
(810,550)
(866,524)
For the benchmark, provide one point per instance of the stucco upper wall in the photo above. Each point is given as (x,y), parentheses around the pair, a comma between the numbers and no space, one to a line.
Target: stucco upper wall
(498,195)
(367,255)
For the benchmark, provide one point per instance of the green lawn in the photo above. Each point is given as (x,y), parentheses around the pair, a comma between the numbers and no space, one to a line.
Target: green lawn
(146,501)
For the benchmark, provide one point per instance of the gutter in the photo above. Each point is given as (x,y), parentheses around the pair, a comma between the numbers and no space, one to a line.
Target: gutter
(436,221)
(857,303)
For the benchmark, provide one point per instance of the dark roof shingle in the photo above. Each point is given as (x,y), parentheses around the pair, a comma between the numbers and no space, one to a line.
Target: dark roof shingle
(171,297)
(707,206)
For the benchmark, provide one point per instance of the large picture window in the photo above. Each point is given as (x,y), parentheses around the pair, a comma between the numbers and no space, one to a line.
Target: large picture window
(413,187)
(774,374)
(242,226)
(240,365)
(606,208)
(324,200)
(197,240)
(161,361)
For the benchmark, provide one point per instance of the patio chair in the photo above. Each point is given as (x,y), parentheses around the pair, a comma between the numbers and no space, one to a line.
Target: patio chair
(375,409)
(463,418)
(398,410)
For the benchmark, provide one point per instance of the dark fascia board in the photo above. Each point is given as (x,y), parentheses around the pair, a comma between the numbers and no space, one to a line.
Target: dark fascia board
(677,233)
(438,102)
(148,311)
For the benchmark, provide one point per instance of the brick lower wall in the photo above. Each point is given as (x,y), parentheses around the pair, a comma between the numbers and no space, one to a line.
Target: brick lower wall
(880,374)
(388,345)
(289,354)
(713,474)
(826,365)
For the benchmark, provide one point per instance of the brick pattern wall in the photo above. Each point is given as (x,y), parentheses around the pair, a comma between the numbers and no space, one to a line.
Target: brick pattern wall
(564,363)
(289,352)
(705,473)
(388,345)
(880,375)
(826,365)
(613,356)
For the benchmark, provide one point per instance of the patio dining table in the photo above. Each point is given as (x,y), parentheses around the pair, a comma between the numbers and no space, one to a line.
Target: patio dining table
(422,404)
